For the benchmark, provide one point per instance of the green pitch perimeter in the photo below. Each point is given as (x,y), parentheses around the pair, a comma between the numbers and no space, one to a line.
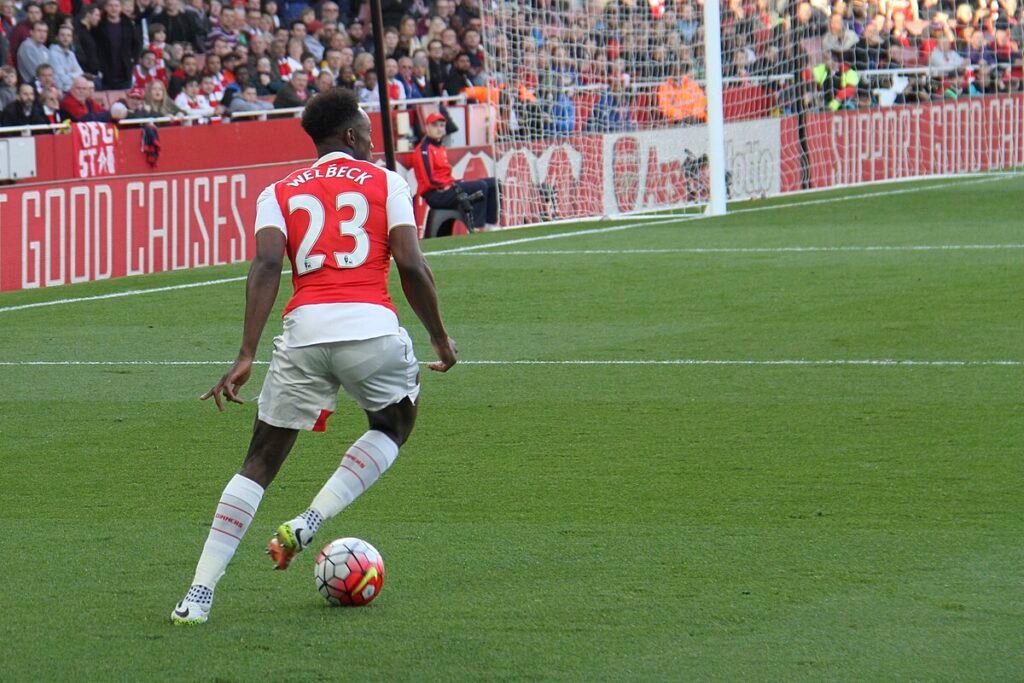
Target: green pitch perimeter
(677,521)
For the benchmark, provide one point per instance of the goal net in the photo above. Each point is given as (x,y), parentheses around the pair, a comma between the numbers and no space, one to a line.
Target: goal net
(602,106)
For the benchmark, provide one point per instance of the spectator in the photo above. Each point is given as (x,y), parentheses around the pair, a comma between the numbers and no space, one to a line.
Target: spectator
(310,66)
(53,17)
(21,32)
(65,65)
(611,111)
(406,78)
(439,189)
(50,99)
(309,43)
(986,81)
(32,52)
(182,26)
(8,85)
(45,78)
(330,12)
(134,102)
(944,60)
(396,89)
(217,75)
(78,104)
(871,50)
(362,63)
(391,44)
(437,67)
(248,101)
(682,100)
(158,104)
(840,41)
(158,42)
(118,46)
(978,51)
(408,41)
(148,70)
(189,69)
(392,11)
(266,81)
(332,62)
(357,35)
(294,93)
(366,90)
(459,77)
(8,19)
(85,44)
(324,82)
(435,28)
(258,47)
(192,101)
(208,87)
(25,110)
(347,78)
(225,30)
(5,49)
(292,61)
(561,114)
(421,82)
(472,48)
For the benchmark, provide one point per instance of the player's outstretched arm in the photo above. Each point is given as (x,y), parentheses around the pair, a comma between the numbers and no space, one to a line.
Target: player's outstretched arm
(260,293)
(421,293)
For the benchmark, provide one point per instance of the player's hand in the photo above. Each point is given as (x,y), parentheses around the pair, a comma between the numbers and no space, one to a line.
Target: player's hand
(230,383)
(447,352)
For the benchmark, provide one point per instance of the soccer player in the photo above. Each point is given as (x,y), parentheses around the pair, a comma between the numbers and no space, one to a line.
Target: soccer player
(340,222)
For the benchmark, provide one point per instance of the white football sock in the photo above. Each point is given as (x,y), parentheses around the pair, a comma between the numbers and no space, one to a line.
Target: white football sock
(364,462)
(235,511)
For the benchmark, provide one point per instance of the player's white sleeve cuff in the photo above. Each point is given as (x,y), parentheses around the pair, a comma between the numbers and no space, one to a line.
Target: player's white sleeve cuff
(400,211)
(268,211)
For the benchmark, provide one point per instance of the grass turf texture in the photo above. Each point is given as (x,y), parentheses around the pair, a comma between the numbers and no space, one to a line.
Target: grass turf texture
(564,522)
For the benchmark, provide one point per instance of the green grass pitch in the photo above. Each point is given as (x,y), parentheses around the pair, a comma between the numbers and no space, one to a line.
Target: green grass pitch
(594,521)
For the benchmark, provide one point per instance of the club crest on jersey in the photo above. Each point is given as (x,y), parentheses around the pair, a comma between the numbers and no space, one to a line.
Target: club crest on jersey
(356,175)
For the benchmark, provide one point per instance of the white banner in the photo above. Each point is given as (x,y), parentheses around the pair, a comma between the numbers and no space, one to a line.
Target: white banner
(655,169)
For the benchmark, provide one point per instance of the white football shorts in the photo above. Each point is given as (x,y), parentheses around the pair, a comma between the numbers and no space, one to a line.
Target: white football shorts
(301,387)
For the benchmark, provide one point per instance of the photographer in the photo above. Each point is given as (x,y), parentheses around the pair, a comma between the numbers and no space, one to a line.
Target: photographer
(477,199)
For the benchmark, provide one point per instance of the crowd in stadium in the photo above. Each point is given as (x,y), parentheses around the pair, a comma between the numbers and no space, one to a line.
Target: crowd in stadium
(553,67)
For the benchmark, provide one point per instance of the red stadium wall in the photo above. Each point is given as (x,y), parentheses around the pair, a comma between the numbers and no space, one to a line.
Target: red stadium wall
(59,232)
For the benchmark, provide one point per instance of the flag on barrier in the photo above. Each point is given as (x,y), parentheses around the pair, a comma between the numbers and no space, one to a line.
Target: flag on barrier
(95,153)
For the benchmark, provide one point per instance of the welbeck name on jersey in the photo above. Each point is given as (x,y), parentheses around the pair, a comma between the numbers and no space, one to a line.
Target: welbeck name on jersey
(356,175)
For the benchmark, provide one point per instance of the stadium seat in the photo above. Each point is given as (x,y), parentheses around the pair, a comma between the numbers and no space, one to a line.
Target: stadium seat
(441,222)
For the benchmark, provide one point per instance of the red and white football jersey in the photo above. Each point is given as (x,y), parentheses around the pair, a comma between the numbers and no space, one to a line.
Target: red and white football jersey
(337,215)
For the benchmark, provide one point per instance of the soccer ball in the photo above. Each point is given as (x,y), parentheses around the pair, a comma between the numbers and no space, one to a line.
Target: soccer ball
(349,572)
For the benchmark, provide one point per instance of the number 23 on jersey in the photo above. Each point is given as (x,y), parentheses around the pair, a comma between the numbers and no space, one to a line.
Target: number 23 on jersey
(322,241)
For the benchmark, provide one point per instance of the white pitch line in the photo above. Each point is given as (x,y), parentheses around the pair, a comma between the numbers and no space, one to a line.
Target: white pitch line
(117,295)
(658,220)
(574,233)
(749,250)
(880,362)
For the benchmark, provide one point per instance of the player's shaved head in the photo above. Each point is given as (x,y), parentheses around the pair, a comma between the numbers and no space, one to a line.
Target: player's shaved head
(336,123)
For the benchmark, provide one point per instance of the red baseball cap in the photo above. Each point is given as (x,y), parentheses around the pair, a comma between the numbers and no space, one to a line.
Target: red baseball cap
(434,118)
(137,93)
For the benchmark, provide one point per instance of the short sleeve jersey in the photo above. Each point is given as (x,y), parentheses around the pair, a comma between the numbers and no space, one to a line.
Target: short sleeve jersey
(337,215)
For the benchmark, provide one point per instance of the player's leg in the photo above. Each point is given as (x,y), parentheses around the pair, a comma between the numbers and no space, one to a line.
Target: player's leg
(236,508)
(297,394)
(383,376)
